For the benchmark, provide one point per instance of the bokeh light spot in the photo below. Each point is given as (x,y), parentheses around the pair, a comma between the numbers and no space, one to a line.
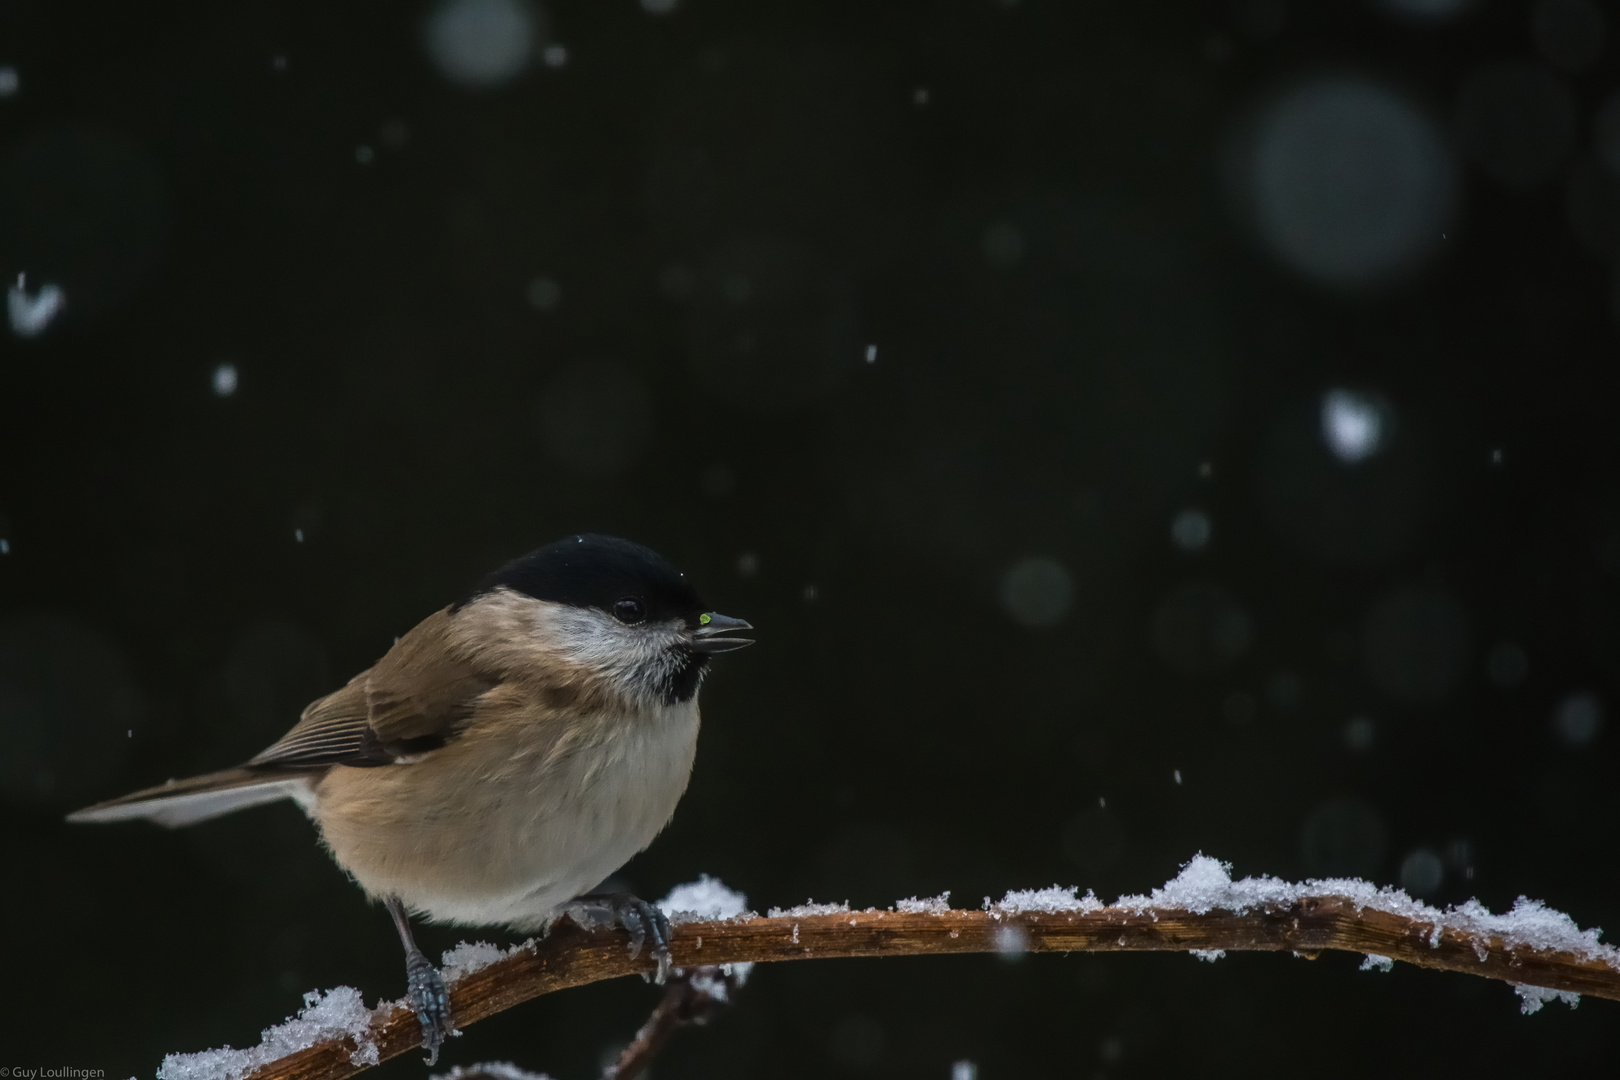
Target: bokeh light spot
(1353,425)
(1012,942)
(30,313)
(1190,530)
(1578,719)
(1422,872)
(1350,184)
(224,380)
(1460,856)
(1037,592)
(482,42)
(543,294)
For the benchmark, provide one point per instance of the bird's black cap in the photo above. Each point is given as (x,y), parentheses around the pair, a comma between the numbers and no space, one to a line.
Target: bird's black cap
(595,571)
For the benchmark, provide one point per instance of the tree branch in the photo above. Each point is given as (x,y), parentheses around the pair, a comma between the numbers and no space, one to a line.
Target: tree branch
(692,997)
(1308,925)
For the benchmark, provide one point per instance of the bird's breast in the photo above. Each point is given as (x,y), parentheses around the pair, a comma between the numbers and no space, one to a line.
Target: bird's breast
(501,826)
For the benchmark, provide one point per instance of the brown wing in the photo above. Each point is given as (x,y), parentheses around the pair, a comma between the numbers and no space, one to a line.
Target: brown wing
(413,701)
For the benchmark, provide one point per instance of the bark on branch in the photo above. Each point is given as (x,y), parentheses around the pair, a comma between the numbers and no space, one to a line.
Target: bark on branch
(573,957)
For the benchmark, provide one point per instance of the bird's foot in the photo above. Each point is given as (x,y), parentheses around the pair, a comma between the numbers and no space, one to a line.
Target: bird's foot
(430,1000)
(642,920)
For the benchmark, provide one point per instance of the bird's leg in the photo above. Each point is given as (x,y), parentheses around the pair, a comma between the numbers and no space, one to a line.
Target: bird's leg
(425,985)
(640,918)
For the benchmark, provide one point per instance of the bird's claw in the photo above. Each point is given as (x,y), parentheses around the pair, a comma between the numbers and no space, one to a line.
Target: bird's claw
(431,1002)
(643,921)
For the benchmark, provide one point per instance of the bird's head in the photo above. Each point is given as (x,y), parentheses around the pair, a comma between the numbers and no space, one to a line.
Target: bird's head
(607,611)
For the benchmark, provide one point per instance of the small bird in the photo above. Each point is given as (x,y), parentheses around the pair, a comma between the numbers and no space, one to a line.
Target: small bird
(504,757)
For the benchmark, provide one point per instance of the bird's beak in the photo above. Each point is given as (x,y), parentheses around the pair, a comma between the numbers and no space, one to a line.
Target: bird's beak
(710,635)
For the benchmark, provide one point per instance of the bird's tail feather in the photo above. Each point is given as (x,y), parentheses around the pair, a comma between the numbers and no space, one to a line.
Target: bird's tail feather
(185,802)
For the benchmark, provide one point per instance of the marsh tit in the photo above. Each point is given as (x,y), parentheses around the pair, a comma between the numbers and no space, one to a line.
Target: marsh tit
(503,758)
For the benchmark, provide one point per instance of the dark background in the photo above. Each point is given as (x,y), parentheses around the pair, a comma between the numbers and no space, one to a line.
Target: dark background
(1281,335)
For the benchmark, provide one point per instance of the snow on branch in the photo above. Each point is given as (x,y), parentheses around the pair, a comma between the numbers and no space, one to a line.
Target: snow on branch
(1541,952)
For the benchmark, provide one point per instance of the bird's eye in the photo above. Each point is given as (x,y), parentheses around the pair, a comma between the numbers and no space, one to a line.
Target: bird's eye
(630,610)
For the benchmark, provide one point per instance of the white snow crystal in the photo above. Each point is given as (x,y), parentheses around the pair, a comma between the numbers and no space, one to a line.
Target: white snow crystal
(711,981)
(1054,900)
(1373,961)
(1534,997)
(499,1070)
(470,956)
(333,1014)
(1209,955)
(933,905)
(1206,884)
(1203,885)
(1532,923)
(702,900)
(809,908)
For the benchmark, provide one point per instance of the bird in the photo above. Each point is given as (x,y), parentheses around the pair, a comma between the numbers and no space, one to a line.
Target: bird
(502,759)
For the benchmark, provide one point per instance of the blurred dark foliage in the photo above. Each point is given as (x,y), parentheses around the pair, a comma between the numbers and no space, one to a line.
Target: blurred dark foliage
(1067,584)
